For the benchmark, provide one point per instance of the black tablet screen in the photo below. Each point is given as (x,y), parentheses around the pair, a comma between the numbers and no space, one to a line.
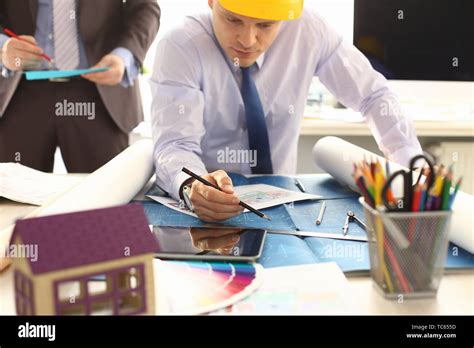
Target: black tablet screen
(201,242)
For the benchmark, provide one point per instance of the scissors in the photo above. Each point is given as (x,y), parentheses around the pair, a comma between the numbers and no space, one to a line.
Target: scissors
(407,184)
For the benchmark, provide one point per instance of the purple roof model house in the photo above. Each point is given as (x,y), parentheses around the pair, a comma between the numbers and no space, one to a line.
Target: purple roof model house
(97,262)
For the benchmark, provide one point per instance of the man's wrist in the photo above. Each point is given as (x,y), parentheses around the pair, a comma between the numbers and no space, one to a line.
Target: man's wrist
(187,182)
(185,191)
(131,68)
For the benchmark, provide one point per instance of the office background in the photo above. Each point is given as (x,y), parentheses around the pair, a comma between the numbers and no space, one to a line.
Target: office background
(443,111)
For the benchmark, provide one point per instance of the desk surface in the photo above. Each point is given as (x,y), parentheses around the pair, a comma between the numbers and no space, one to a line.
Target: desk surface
(455,295)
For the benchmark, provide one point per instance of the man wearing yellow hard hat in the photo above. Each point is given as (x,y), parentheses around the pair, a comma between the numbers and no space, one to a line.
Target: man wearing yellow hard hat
(229,90)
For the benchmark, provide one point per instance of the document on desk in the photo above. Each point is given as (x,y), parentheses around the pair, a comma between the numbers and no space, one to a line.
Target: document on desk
(56,74)
(26,185)
(304,289)
(129,171)
(258,196)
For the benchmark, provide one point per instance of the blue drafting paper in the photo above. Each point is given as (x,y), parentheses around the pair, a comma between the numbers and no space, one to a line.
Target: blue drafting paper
(161,215)
(304,216)
(458,258)
(351,256)
(281,250)
(285,250)
(238,179)
(284,182)
(55,74)
(326,186)
(323,185)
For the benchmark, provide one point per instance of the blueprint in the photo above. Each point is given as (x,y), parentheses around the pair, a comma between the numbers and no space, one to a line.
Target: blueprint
(285,250)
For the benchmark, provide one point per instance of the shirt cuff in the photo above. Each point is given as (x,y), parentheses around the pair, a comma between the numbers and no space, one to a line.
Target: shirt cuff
(4,72)
(180,179)
(3,38)
(131,66)
(403,155)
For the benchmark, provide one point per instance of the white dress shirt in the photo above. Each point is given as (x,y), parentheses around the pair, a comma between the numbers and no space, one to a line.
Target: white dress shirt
(198,112)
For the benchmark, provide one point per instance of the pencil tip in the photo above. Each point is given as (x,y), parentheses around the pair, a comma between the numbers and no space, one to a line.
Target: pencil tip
(267,217)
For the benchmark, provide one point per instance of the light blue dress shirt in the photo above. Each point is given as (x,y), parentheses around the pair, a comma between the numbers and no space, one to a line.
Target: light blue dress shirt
(45,39)
(198,114)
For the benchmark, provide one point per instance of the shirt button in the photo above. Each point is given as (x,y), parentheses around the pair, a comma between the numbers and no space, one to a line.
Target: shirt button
(50,36)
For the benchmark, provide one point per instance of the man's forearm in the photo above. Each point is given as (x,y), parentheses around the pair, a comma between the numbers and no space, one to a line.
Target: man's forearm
(393,131)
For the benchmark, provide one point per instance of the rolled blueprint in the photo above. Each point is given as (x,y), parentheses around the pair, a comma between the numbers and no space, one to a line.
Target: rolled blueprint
(336,157)
(115,183)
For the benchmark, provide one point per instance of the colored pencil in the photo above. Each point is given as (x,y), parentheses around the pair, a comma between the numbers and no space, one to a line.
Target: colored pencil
(415,204)
(423,197)
(453,196)
(446,190)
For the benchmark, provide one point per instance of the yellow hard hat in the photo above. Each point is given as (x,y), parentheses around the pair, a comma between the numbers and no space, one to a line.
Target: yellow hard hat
(275,10)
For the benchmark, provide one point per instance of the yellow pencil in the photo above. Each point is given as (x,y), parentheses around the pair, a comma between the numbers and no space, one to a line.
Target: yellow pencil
(379,181)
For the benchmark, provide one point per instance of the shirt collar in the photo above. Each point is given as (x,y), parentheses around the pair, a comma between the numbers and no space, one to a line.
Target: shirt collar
(258,63)
(260,60)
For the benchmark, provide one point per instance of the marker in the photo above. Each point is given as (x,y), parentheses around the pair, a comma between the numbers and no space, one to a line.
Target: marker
(456,189)
(321,214)
(345,228)
(446,189)
(300,185)
(415,203)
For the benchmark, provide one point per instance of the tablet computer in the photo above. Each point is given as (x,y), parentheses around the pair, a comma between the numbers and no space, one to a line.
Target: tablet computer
(216,243)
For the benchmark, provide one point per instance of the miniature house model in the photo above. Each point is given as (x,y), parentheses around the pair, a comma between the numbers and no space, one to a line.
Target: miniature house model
(88,263)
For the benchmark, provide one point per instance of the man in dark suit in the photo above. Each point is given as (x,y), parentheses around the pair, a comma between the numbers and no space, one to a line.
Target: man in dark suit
(90,117)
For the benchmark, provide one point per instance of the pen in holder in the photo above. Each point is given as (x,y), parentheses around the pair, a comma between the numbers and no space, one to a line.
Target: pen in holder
(407,235)
(407,250)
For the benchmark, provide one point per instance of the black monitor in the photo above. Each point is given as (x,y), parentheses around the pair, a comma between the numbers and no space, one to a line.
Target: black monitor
(417,39)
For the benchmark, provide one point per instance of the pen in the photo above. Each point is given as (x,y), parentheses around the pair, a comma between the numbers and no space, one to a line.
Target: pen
(12,34)
(321,213)
(446,189)
(300,185)
(456,189)
(243,204)
(415,204)
(345,228)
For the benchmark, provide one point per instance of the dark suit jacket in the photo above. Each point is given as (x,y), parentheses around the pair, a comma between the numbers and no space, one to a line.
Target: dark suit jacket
(103,26)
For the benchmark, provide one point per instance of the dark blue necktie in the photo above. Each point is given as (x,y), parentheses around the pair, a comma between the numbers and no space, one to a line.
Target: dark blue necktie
(256,127)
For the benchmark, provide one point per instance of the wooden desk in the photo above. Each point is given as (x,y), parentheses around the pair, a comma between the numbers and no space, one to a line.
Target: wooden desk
(455,296)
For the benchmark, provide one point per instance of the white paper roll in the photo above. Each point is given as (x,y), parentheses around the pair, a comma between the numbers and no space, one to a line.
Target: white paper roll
(115,183)
(336,156)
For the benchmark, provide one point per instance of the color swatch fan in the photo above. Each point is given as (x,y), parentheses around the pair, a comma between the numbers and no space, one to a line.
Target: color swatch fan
(196,287)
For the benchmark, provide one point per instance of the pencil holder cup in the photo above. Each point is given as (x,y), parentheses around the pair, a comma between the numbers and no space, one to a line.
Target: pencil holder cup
(407,251)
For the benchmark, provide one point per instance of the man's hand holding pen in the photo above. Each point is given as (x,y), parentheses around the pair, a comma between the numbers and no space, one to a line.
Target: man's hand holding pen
(21,53)
(212,205)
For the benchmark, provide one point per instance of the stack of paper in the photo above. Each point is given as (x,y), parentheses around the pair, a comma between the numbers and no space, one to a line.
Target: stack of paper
(23,184)
(308,289)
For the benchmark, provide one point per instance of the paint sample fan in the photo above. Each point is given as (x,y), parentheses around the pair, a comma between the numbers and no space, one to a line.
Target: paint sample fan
(195,287)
